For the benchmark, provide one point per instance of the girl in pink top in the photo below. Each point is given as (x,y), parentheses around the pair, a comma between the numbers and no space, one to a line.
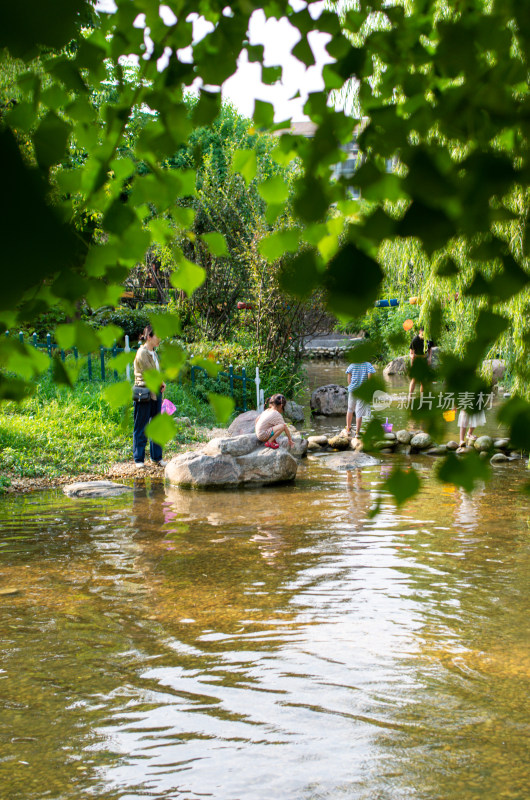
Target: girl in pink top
(270,423)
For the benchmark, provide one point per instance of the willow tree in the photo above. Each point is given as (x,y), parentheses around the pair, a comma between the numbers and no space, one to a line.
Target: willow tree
(433,79)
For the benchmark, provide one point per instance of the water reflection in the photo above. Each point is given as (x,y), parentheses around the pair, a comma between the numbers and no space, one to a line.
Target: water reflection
(246,644)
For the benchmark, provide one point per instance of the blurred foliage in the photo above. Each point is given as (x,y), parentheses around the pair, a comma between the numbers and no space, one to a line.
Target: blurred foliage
(441,89)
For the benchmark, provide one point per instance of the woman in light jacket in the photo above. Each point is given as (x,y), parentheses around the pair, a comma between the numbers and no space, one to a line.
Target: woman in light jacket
(146,358)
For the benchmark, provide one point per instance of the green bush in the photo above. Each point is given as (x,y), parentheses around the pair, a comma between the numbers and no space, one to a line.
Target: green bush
(131,320)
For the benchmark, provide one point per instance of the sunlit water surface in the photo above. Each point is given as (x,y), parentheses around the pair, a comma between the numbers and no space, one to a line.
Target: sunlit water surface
(271,643)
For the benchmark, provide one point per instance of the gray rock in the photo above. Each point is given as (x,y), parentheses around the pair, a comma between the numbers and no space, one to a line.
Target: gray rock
(294,411)
(213,466)
(232,446)
(483,443)
(313,447)
(390,437)
(452,445)
(386,451)
(244,423)
(398,366)
(96,489)
(501,444)
(439,450)
(340,442)
(499,458)
(321,441)
(404,437)
(185,422)
(464,449)
(350,460)
(421,441)
(299,447)
(515,455)
(330,400)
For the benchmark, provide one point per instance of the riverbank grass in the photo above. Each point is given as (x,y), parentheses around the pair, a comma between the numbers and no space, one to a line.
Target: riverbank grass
(59,432)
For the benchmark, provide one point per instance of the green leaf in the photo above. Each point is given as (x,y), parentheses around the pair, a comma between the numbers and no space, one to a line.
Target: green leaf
(274,190)
(60,373)
(119,217)
(188,277)
(118,395)
(121,361)
(271,75)
(109,335)
(402,484)
(174,358)
(29,24)
(516,414)
(366,390)
(207,109)
(161,429)
(310,202)
(430,225)
(263,114)
(223,407)
(300,274)
(153,380)
(50,140)
(165,326)
(272,247)
(245,162)
(303,52)
(464,471)
(352,281)
(216,243)
(447,268)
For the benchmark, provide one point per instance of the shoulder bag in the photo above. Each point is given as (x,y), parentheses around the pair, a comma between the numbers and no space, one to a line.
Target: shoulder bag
(141,394)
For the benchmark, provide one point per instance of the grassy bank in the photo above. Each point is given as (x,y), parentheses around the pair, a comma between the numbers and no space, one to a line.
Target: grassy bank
(69,432)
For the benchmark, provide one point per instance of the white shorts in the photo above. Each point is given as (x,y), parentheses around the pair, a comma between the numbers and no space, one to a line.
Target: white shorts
(358,406)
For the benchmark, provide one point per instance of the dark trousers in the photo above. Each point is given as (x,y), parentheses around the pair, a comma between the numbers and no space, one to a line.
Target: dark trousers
(144,413)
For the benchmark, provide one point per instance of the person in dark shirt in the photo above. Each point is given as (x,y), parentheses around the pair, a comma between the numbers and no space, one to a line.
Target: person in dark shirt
(419,348)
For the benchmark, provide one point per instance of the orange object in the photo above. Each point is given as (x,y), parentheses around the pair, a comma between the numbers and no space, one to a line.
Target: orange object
(449,416)
(413,300)
(408,324)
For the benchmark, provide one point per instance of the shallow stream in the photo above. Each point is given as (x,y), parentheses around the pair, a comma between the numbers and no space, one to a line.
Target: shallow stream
(272,643)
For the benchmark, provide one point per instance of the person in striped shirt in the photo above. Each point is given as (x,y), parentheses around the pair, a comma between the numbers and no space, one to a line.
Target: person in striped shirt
(357,374)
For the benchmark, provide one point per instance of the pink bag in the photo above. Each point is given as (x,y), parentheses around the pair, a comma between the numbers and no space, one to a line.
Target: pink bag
(168,407)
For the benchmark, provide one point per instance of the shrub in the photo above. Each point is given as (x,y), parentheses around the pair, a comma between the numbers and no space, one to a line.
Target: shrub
(132,320)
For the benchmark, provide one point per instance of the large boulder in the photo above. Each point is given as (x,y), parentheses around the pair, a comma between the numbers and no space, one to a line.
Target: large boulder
(244,423)
(87,489)
(294,411)
(233,461)
(330,400)
(398,366)
(404,436)
(495,369)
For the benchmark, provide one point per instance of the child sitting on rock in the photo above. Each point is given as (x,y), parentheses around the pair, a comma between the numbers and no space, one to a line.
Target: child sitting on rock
(270,423)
